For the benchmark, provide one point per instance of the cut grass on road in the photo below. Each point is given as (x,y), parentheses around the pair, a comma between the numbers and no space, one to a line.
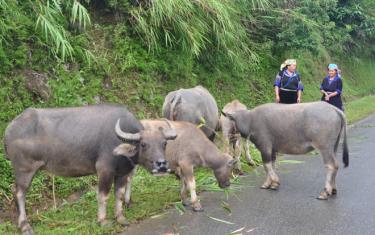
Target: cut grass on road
(151,195)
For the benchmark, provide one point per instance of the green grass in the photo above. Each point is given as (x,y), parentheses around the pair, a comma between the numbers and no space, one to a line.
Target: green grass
(359,109)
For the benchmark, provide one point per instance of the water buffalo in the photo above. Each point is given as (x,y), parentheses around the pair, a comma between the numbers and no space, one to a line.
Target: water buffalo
(189,150)
(193,105)
(103,139)
(295,129)
(232,140)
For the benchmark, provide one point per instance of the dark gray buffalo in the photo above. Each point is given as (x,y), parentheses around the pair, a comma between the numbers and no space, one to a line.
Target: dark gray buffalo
(106,140)
(295,129)
(194,105)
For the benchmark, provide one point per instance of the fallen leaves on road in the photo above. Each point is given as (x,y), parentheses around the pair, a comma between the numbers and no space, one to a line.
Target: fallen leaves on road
(220,220)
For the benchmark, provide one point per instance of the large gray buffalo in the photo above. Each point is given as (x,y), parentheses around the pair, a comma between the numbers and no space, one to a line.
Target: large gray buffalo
(106,140)
(295,129)
(193,105)
(233,143)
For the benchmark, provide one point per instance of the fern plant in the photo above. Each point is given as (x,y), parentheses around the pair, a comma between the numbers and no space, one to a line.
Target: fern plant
(51,20)
(197,26)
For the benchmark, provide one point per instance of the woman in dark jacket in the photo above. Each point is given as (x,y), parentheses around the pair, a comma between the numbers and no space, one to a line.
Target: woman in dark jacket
(288,85)
(331,87)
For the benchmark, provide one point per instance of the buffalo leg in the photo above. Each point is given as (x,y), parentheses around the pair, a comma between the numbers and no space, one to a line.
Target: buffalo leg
(247,153)
(23,180)
(24,175)
(331,166)
(237,147)
(273,157)
(128,188)
(272,180)
(275,180)
(197,207)
(226,129)
(120,184)
(105,182)
(183,190)
(188,175)
(227,145)
(334,187)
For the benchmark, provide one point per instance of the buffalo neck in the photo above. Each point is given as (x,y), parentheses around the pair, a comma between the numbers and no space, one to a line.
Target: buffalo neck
(212,157)
(244,123)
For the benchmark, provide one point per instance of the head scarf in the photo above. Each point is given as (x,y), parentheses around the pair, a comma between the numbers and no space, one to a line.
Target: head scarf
(287,63)
(334,67)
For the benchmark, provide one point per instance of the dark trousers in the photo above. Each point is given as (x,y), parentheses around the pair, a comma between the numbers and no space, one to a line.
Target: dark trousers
(288,97)
(335,101)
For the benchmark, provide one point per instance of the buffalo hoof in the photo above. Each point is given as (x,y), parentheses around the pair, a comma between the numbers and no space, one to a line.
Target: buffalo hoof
(105,223)
(334,191)
(198,209)
(275,185)
(251,163)
(122,220)
(323,195)
(26,229)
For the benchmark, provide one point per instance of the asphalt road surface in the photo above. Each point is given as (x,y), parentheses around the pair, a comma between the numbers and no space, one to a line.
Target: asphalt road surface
(293,209)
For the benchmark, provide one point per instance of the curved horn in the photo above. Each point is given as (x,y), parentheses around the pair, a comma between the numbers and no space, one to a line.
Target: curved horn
(170,134)
(124,136)
(168,122)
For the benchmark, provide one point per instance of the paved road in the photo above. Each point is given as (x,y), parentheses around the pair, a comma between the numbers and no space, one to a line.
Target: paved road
(292,209)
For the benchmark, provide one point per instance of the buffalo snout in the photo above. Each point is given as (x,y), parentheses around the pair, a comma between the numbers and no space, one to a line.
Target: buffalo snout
(161,166)
(225,184)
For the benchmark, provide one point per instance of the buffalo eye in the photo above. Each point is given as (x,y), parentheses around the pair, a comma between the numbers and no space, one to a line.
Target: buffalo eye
(164,145)
(143,145)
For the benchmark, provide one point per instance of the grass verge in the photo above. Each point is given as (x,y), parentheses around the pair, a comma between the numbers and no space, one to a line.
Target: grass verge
(360,108)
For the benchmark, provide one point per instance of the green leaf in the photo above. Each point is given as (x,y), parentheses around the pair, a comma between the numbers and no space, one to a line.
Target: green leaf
(287,161)
(179,207)
(220,220)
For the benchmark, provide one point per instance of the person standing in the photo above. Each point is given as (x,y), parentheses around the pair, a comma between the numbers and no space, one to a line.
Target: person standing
(288,85)
(331,87)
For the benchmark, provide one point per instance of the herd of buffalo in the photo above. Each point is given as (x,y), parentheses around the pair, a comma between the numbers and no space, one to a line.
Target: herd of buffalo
(109,141)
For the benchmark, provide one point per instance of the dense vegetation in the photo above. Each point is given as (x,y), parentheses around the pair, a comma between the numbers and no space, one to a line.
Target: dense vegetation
(61,53)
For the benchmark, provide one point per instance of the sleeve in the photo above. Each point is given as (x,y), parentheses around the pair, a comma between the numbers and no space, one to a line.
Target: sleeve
(277,81)
(300,84)
(339,86)
(322,84)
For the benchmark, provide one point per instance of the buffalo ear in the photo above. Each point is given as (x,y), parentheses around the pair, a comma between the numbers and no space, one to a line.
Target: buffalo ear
(228,115)
(125,150)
